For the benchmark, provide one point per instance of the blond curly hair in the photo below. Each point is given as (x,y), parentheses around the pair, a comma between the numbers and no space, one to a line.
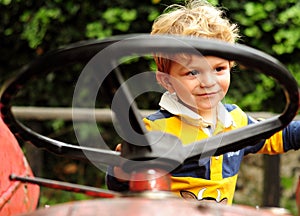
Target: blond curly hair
(197,18)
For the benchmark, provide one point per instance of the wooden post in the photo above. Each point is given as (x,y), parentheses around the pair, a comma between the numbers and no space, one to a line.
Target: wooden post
(271,189)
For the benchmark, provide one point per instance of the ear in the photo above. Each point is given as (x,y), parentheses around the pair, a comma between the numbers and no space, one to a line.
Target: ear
(164,80)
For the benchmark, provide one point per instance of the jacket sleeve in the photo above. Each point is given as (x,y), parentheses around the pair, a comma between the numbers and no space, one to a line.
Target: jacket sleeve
(112,182)
(282,141)
(291,136)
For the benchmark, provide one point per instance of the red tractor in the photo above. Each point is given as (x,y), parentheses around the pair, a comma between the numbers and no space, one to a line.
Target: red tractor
(150,181)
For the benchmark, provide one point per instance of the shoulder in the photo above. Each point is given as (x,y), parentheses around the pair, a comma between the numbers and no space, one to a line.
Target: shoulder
(160,114)
(238,115)
(158,120)
(232,107)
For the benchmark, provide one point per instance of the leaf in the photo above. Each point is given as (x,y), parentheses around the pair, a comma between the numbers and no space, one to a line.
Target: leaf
(152,15)
(119,18)
(253,31)
(5,2)
(36,25)
(95,30)
(287,40)
(58,124)
(291,14)
(255,10)
(128,15)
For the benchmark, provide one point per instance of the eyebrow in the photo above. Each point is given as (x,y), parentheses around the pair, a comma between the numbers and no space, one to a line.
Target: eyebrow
(215,63)
(187,64)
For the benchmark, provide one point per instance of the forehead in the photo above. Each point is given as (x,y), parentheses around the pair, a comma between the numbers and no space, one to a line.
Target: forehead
(188,60)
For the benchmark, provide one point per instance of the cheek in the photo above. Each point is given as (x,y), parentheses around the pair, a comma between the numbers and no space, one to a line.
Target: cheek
(182,86)
(184,91)
(224,84)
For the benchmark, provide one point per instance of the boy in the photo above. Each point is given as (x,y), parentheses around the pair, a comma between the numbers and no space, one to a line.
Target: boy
(191,107)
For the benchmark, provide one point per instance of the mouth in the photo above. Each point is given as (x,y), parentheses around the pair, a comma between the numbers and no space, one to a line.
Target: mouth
(207,94)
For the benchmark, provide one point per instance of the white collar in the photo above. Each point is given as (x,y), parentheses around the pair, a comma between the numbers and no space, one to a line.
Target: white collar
(170,103)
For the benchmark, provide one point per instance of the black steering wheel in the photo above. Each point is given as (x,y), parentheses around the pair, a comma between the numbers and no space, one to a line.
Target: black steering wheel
(114,50)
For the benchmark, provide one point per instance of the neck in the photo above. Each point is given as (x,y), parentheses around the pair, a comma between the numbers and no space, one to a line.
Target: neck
(210,115)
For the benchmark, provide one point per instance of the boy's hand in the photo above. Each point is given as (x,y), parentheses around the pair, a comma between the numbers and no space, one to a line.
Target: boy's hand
(118,172)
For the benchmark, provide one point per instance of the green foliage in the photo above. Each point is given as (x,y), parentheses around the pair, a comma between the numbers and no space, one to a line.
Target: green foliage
(30,28)
(95,30)
(288,38)
(116,19)
(52,197)
(294,69)
(288,202)
(287,183)
(280,21)
(36,26)
(58,125)
(274,28)
(5,2)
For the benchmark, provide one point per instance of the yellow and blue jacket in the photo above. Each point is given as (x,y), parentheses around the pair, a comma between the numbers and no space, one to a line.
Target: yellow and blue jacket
(212,178)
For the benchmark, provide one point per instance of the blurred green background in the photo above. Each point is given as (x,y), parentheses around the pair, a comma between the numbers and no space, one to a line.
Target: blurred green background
(30,28)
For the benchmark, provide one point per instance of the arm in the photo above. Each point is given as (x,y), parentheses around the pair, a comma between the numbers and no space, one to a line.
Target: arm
(291,136)
(116,178)
(280,142)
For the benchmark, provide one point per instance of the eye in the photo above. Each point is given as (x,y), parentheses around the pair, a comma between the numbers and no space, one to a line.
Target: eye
(218,69)
(193,73)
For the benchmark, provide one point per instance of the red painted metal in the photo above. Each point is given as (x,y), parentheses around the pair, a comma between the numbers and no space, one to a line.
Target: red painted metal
(141,206)
(59,185)
(150,196)
(15,197)
(150,180)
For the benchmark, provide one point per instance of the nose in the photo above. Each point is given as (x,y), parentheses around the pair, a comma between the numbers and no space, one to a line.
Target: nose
(206,79)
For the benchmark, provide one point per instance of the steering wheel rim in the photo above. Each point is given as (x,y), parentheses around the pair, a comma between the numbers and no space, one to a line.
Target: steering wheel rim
(140,44)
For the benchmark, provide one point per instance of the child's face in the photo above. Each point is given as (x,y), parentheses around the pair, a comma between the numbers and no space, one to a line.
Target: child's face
(200,82)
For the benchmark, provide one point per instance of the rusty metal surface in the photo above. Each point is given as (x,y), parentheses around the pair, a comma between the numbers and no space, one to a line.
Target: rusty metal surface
(15,197)
(147,207)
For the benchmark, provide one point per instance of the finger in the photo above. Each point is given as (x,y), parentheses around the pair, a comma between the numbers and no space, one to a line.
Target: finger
(119,147)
